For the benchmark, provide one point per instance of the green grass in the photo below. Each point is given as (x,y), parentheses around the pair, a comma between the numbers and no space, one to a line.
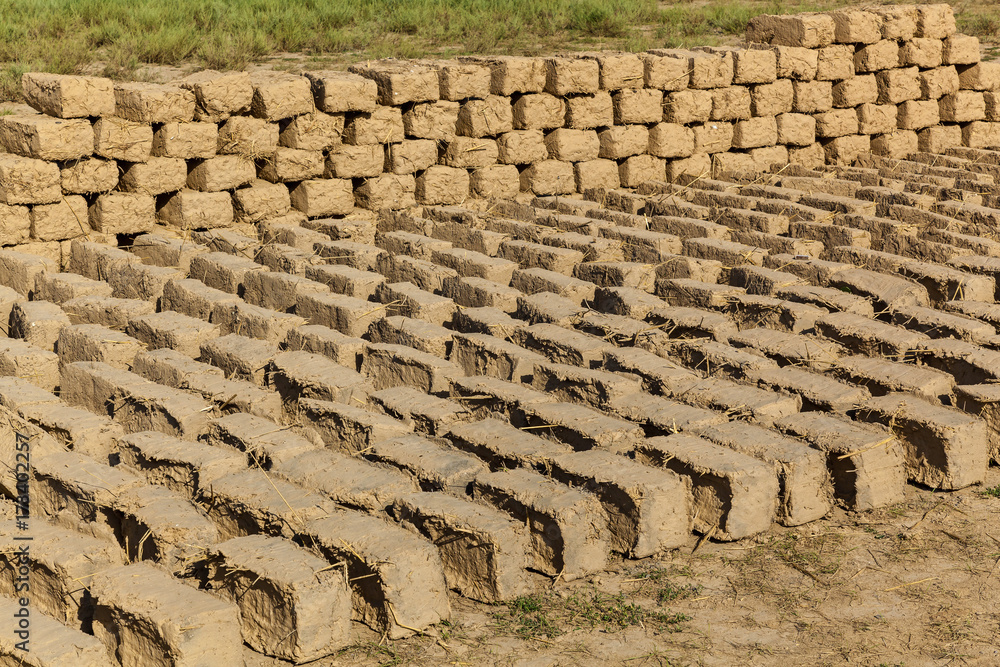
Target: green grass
(992,492)
(116,37)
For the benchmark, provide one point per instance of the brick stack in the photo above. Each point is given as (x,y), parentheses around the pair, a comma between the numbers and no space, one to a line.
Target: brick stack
(90,157)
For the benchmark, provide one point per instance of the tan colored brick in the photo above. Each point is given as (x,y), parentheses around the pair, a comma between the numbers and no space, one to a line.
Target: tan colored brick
(664,73)
(620,70)
(522,147)
(876,118)
(222,172)
(339,92)
(94,175)
(754,66)
(471,152)
(981,76)
(855,91)
(835,63)
(585,112)
(355,161)
(812,96)
(796,129)
(495,181)
(935,21)
(549,177)
(898,85)
(811,157)
(539,111)
(44,138)
(323,197)
(316,131)
(938,82)
(711,70)
(515,74)
(623,141)
(153,103)
(836,123)
(68,96)
(797,63)
(432,120)
(939,138)
(960,50)
(898,145)
(805,30)
(732,103)
(921,52)
(277,95)
(399,83)
(253,137)
(714,137)
(382,126)
(917,114)
(573,145)
(392,191)
(569,76)
(898,21)
(123,213)
(411,156)
(642,105)
(962,107)
(770,99)
(671,140)
(639,169)
(219,95)
(188,209)
(290,164)
(486,117)
(845,150)
(769,157)
(66,219)
(877,57)
(120,139)
(755,132)
(991,99)
(596,173)
(699,164)
(980,134)
(687,106)
(852,26)
(186,140)
(458,81)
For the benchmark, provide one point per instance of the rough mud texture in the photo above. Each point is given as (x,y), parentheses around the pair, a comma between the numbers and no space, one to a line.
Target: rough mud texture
(653,310)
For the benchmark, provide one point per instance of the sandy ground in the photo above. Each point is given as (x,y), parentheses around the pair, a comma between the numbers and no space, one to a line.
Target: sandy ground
(913,584)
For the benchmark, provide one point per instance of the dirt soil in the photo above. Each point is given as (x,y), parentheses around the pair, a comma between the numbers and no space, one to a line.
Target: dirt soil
(912,584)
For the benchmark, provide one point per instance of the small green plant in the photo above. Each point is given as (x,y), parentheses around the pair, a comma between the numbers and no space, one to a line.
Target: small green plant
(616,612)
(992,492)
(527,618)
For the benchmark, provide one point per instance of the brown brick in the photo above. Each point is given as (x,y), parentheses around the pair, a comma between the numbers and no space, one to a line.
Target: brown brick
(796,129)
(899,145)
(876,118)
(732,103)
(495,181)
(642,105)
(623,141)
(567,76)
(812,96)
(921,52)
(804,30)
(855,91)
(960,50)
(549,177)
(573,145)
(338,92)
(844,150)
(852,26)
(835,63)
(938,82)
(522,147)
(539,111)
(962,107)
(670,140)
(687,106)
(120,139)
(757,132)
(68,96)
(935,21)
(486,117)
(916,115)
(770,99)
(596,173)
(898,85)
(796,62)
(432,120)
(399,83)
(584,112)
(442,185)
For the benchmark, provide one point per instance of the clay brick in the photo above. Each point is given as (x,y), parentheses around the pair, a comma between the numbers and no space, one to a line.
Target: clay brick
(935,83)
(981,135)
(935,21)
(470,153)
(960,50)
(401,83)
(687,106)
(495,181)
(856,27)
(643,105)
(981,76)
(442,185)
(68,96)
(712,138)
(879,56)
(223,172)
(619,70)
(219,95)
(812,96)
(855,91)
(940,138)
(796,62)
(89,176)
(876,119)
(731,103)
(549,177)
(292,164)
(323,197)
(538,111)
(836,123)
(521,147)
(189,209)
(898,22)
(596,173)
(963,106)
(898,145)
(921,52)
(485,117)
(796,129)
(639,169)
(355,161)
(337,92)
(916,115)
(46,138)
(64,220)
(589,111)
(312,131)
(64,645)
(37,323)
(664,73)
(566,76)
(772,98)
(622,141)
(27,181)
(803,30)
(172,330)
(459,81)
(835,63)
(756,132)
(120,139)
(898,85)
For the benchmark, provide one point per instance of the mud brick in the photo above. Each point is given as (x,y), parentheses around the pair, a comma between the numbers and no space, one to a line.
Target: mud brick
(731,103)
(292,164)
(582,385)
(549,508)
(695,293)
(534,255)
(585,112)
(412,301)
(172,368)
(346,280)
(521,147)
(186,140)
(580,427)
(360,256)
(992,106)
(386,191)
(254,321)
(870,337)
(337,92)
(224,172)
(411,156)
(963,106)
(687,106)
(462,81)
(92,342)
(423,275)
(243,571)
(716,471)
(347,314)
(856,27)
(436,120)
(620,274)
(761,406)
(640,169)
(63,645)
(898,22)
(960,50)
(396,365)
(470,153)
(357,226)
(412,592)
(562,345)
(881,377)
(219,95)
(533,280)
(249,137)
(401,83)
(352,429)
(239,357)
(120,139)
(180,465)
(943,447)
(89,176)
(57,288)
(565,76)
(549,308)
(876,119)
(473,292)
(278,95)
(883,55)
(46,138)
(549,177)
(935,21)
(156,176)
(796,62)
(323,197)
(313,131)
(27,181)
(434,466)
(664,73)
(946,283)
(772,98)
(844,150)
(981,135)
(515,74)
(943,325)
(898,85)
(63,220)
(66,96)
(818,392)
(619,70)
(835,62)
(382,126)
(355,161)
(37,323)
(645,105)
(189,209)
(671,140)
(812,96)
(756,132)
(474,264)
(802,30)
(921,52)
(495,181)
(855,91)
(538,111)
(413,333)
(916,115)
(807,157)
(222,271)
(153,103)
(837,123)
(865,461)
(711,356)
(173,330)
(265,443)
(710,138)
(16,221)
(796,129)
